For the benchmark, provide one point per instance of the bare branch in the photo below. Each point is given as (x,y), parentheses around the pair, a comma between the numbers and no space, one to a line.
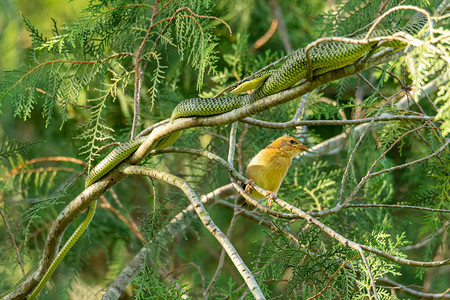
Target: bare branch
(204,217)
(411,292)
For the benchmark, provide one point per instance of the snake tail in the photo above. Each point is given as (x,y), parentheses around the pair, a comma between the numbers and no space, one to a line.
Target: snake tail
(114,158)
(65,249)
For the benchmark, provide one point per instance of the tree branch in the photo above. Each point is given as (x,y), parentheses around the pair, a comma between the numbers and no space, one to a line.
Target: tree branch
(204,217)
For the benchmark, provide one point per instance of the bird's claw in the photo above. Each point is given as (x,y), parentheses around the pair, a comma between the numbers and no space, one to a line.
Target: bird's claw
(249,185)
(271,195)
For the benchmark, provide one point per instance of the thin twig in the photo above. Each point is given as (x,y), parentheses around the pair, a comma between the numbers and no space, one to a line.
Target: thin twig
(293,124)
(59,100)
(414,293)
(425,242)
(301,108)
(442,148)
(232,142)
(129,223)
(352,155)
(239,149)
(369,272)
(87,62)
(369,174)
(138,72)
(397,206)
(332,277)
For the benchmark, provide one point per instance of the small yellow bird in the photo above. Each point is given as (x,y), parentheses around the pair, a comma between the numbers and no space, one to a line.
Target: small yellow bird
(269,167)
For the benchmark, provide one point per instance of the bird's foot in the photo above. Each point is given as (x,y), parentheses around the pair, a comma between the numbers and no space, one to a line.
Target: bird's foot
(271,195)
(248,187)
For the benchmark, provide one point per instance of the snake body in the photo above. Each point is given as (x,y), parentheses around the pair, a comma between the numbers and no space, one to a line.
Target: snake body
(324,57)
(120,153)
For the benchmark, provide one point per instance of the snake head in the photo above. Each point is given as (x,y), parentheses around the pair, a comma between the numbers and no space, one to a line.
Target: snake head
(250,84)
(176,113)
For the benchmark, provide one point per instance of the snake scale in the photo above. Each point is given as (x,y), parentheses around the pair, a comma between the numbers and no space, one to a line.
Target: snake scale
(324,57)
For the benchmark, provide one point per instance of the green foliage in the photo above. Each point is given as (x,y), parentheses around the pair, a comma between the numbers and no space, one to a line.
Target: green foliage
(352,14)
(149,286)
(312,186)
(95,130)
(13,151)
(310,269)
(380,267)
(444,103)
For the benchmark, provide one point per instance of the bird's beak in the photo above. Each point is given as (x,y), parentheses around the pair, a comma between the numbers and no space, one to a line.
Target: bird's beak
(301,147)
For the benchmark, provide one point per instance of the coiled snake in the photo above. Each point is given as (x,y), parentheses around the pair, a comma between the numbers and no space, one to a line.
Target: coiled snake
(324,57)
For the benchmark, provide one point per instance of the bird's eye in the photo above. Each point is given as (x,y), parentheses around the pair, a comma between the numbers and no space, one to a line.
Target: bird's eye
(292,141)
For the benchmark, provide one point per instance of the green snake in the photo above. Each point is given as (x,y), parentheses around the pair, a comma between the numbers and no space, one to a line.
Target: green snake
(324,57)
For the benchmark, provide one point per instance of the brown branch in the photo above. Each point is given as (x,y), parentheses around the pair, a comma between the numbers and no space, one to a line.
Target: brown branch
(382,6)
(266,37)
(47,159)
(46,169)
(332,277)
(57,99)
(98,61)
(129,223)
(170,19)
